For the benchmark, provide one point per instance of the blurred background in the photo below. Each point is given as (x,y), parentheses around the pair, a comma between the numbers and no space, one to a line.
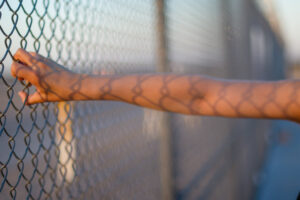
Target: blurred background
(112,150)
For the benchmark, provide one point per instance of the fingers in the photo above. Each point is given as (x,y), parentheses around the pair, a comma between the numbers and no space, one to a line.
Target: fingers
(22,72)
(24,57)
(37,56)
(31,99)
(23,96)
(33,54)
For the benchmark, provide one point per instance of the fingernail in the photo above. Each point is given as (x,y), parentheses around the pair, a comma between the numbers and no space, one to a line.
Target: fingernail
(22,96)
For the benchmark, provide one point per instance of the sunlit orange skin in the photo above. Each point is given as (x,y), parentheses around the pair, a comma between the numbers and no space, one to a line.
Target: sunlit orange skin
(182,93)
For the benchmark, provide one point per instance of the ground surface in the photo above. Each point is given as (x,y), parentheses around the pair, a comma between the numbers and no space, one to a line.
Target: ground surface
(281,176)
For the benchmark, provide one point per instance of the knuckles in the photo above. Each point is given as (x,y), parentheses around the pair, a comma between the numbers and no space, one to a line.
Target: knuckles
(33,54)
(20,51)
(13,69)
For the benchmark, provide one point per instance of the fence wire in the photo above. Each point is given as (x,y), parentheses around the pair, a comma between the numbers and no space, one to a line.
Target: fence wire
(111,150)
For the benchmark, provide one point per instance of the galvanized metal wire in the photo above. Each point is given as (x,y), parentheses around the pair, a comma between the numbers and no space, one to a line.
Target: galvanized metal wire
(56,151)
(111,150)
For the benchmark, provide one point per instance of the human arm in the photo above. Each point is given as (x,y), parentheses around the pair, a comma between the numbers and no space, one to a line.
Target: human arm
(188,94)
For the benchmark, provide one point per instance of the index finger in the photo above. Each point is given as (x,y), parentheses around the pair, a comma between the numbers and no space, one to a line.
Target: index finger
(23,56)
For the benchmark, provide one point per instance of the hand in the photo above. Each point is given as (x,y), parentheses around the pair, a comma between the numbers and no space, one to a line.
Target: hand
(53,82)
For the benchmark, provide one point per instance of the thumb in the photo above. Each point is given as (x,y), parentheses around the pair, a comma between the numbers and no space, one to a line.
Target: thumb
(30,99)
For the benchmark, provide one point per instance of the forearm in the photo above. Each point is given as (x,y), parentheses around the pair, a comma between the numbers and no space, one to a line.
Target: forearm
(195,94)
(168,92)
(254,99)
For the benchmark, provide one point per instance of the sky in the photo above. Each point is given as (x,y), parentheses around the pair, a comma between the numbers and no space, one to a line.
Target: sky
(289,18)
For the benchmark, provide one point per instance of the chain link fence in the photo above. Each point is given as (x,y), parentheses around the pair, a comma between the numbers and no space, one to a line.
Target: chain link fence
(112,150)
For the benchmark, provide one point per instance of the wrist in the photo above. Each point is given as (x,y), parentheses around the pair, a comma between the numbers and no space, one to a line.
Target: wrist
(77,86)
(90,87)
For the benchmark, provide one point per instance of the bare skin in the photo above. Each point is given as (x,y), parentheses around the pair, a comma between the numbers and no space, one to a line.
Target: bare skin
(188,94)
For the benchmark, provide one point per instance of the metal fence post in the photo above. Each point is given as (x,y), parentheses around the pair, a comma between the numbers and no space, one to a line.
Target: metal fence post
(65,141)
(166,162)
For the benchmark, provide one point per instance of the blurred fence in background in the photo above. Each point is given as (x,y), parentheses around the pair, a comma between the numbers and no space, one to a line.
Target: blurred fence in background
(112,150)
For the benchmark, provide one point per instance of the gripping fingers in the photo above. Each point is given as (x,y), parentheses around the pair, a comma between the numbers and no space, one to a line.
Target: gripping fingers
(25,83)
(24,57)
(21,71)
(30,99)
